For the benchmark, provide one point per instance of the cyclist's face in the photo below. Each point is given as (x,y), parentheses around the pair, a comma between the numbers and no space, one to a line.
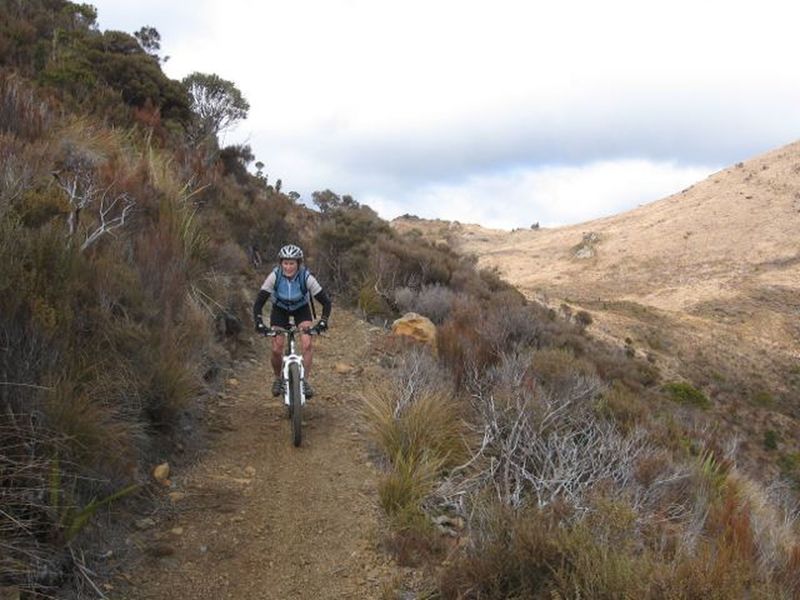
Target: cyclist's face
(289,267)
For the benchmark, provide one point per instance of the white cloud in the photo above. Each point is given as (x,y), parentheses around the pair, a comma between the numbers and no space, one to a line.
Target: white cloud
(550,196)
(400,101)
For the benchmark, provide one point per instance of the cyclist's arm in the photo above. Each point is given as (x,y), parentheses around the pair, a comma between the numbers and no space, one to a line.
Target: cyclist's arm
(319,295)
(325,300)
(263,295)
(258,306)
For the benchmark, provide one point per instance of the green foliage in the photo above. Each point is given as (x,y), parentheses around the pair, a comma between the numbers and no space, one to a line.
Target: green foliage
(149,39)
(789,465)
(57,43)
(371,304)
(764,398)
(327,201)
(72,519)
(621,406)
(234,161)
(120,62)
(771,439)
(344,240)
(685,393)
(216,103)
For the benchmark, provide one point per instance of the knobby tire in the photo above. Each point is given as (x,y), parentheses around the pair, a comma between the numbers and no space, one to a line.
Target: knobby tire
(295,404)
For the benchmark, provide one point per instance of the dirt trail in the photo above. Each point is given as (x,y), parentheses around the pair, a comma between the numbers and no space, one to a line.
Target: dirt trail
(263,519)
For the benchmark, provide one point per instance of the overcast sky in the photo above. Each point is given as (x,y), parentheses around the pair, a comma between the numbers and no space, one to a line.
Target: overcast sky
(502,113)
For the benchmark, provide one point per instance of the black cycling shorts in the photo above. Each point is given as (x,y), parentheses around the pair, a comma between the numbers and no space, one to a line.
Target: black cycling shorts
(279,317)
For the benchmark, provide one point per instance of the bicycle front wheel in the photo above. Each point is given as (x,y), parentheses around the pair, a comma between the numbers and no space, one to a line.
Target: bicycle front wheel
(295,404)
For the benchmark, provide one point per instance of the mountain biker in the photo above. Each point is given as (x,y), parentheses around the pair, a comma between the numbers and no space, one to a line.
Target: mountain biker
(291,286)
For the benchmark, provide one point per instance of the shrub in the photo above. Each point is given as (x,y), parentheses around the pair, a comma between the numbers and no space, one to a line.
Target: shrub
(405,298)
(372,304)
(556,368)
(462,345)
(770,439)
(583,318)
(402,490)
(416,425)
(685,393)
(764,398)
(344,239)
(432,301)
(476,336)
(622,407)
(546,553)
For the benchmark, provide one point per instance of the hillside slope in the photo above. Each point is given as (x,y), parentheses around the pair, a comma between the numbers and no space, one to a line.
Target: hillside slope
(706,282)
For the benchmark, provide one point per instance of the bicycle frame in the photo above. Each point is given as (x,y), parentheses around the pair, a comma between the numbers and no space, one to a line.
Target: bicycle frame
(293,374)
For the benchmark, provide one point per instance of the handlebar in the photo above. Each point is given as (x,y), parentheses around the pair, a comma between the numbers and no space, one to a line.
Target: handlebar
(275,331)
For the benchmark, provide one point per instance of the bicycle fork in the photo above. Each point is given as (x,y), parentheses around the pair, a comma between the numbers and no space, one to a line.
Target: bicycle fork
(288,360)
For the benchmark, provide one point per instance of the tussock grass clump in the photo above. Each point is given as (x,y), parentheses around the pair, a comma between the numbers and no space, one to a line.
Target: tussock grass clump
(415,423)
(405,487)
(22,112)
(428,424)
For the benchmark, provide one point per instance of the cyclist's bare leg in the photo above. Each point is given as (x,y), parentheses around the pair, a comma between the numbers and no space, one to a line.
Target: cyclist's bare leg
(308,351)
(277,354)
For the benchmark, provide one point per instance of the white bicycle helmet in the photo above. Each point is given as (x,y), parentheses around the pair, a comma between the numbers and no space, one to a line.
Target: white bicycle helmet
(291,252)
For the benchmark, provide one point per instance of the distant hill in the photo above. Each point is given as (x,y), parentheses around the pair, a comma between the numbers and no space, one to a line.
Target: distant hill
(705,282)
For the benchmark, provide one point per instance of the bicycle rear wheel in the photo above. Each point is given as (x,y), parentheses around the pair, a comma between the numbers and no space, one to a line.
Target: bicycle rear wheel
(295,404)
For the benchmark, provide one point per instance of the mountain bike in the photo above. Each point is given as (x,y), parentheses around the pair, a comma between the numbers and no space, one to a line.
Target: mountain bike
(293,374)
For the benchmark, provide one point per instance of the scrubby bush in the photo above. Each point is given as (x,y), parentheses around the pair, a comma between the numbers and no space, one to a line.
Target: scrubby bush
(477,335)
(343,245)
(433,301)
(686,393)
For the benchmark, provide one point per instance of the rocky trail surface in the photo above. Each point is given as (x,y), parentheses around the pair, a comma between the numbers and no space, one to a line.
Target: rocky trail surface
(257,517)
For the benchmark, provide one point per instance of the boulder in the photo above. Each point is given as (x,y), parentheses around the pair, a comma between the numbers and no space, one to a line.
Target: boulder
(416,327)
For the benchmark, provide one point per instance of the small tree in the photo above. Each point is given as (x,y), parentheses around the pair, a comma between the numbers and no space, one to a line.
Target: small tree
(217,104)
(150,41)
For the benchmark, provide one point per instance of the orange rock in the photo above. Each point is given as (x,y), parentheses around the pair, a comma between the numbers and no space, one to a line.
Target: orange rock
(161,472)
(416,327)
